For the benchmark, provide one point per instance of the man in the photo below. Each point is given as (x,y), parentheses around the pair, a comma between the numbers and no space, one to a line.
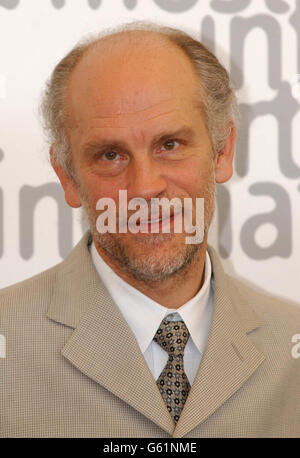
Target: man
(140,334)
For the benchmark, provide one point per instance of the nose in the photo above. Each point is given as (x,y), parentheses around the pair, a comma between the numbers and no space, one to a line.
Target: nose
(146,179)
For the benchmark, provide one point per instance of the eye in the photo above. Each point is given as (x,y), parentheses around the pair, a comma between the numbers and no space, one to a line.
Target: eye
(110,156)
(170,145)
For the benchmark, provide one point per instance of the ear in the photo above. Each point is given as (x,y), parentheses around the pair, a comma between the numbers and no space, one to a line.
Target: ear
(72,196)
(224,158)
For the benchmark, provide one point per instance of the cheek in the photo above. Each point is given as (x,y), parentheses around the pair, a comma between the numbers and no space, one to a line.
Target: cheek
(97,188)
(194,176)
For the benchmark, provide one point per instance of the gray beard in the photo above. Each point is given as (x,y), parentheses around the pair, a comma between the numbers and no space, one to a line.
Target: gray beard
(147,268)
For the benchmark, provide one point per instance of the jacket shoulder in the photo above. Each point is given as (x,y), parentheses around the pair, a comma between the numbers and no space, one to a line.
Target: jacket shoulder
(30,292)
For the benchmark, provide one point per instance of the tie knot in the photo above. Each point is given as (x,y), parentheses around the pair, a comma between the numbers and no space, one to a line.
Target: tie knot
(172,336)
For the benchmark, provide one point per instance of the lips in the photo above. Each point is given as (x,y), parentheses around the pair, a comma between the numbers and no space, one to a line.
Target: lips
(158,225)
(153,221)
(154,225)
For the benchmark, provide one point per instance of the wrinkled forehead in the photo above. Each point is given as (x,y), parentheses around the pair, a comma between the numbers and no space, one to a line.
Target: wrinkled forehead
(129,73)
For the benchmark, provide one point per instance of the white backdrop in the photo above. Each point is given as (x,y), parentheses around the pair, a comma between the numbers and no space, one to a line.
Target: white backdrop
(257,223)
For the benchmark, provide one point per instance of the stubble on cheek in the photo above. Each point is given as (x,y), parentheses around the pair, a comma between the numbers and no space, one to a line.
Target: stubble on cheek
(149,257)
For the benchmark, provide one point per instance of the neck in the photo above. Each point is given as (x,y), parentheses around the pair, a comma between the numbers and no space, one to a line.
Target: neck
(172,292)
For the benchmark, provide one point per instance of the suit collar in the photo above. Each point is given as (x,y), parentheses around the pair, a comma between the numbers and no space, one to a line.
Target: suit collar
(102,346)
(96,346)
(225,286)
(230,357)
(145,315)
(76,276)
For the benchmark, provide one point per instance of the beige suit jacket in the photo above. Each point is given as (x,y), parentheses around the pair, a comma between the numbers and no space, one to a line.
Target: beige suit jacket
(73,367)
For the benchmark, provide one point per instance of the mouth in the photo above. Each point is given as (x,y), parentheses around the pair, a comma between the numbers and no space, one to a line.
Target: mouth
(153,221)
(157,225)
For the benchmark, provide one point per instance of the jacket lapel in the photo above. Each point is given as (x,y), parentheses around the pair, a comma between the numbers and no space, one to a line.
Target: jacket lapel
(230,357)
(102,345)
(104,348)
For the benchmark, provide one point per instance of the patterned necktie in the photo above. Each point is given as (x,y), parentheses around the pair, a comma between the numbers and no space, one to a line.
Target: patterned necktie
(173,384)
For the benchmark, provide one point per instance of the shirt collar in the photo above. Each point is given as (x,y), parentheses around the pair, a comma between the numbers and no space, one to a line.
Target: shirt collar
(144,315)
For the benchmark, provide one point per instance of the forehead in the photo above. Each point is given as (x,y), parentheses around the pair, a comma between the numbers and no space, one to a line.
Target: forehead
(133,76)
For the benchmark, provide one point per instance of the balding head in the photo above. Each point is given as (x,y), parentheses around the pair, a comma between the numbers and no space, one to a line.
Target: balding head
(124,73)
(137,43)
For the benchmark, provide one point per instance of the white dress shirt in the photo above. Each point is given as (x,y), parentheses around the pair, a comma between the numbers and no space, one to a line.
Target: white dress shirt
(143,315)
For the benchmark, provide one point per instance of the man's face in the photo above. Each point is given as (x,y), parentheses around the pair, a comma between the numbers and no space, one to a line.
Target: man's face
(137,127)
